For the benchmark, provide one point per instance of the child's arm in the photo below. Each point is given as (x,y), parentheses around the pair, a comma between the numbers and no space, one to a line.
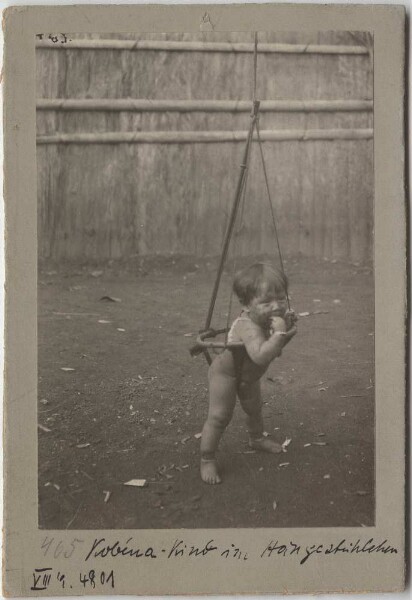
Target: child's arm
(261,350)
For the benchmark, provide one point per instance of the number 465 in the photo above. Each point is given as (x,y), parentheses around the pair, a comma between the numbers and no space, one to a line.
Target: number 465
(57,548)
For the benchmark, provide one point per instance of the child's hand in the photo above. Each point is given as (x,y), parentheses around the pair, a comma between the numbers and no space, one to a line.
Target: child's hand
(292,332)
(290,318)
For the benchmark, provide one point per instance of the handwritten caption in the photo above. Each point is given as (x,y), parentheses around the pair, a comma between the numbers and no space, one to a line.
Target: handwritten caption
(47,576)
(179,549)
(102,548)
(54,38)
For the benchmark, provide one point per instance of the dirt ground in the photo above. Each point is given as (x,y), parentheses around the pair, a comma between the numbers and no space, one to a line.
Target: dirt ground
(134,400)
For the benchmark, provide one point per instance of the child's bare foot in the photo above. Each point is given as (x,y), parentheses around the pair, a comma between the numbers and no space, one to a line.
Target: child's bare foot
(209,471)
(265,445)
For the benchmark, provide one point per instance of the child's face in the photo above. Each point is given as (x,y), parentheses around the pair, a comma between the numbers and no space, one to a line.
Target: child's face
(268,304)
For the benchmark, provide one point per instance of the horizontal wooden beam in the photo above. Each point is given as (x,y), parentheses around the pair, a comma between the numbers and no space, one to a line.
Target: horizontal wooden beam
(140,105)
(173,46)
(191,137)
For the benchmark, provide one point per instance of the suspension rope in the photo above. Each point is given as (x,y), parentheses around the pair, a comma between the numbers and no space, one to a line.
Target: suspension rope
(255,57)
(254,116)
(239,191)
(232,218)
(237,233)
(272,210)
(239,201)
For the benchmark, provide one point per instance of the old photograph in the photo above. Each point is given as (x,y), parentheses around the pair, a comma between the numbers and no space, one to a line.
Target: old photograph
(204,377)
(206,318)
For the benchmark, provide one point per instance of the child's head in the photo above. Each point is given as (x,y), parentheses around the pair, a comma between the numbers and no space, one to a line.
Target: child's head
(258,280)
(262,288)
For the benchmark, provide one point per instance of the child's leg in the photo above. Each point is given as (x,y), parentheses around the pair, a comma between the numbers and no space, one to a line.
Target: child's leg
(222,399)
(250,399)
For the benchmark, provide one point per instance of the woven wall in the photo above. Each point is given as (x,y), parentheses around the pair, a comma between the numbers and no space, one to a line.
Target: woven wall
(107,200)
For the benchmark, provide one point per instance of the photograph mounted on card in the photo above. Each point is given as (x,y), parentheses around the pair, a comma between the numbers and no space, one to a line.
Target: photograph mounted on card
(208,225)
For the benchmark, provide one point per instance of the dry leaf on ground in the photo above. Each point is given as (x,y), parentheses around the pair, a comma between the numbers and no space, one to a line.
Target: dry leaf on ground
(137,482)
(110,299)
(43,428)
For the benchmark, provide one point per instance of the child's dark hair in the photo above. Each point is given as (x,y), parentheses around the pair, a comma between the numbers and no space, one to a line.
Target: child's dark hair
(256,279)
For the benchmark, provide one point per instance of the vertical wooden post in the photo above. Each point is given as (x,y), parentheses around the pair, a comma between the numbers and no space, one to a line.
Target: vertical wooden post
(233,213)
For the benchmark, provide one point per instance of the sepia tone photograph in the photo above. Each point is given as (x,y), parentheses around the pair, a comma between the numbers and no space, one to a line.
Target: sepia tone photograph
(205,280)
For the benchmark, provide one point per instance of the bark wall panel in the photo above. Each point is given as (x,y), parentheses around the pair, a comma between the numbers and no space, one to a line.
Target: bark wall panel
(114,200)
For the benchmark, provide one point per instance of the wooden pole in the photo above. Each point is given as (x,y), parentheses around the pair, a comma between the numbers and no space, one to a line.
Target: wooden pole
(143,105)
(232,218)
(192,137)
(174,46)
